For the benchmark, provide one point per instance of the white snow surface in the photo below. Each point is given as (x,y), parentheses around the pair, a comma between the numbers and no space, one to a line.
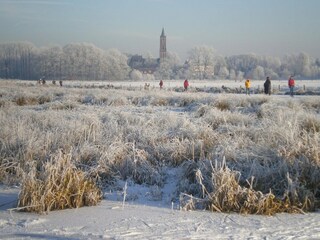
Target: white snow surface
(144,216)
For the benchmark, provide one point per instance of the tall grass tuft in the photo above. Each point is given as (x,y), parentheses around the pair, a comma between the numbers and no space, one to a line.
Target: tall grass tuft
(59,185)
(222,192)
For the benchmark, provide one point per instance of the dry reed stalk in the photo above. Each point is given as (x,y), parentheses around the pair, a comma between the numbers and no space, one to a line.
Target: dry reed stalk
(7,170)
(228,196)
(59,186)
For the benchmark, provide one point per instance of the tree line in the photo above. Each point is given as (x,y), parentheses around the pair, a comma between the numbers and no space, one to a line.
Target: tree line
(84,61)
(204,64)
(81,61)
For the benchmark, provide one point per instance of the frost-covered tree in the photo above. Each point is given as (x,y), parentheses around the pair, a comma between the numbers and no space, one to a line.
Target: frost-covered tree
(16,60)
(169,67)
(148,58)
(270,73)
(232,74)
(84,61)
(148,77)
(298,65)
(165,70)
(117,66)
(304,65)
(201,61)
(240,75)
(51,61)
(70,61)
(223,72)
(273,63)
(136,75)
(244,63)
(258,73)
(220,62)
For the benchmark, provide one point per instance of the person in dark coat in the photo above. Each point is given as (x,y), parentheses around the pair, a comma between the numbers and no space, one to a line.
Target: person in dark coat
(161,84)
(267,86)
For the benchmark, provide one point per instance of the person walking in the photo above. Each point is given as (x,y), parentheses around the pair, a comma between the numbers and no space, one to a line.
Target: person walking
(247,84)
(267,86)
(186,85)
(291,85)
(161,84)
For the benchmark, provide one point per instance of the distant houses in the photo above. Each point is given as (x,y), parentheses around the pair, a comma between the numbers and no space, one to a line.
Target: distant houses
(144,65)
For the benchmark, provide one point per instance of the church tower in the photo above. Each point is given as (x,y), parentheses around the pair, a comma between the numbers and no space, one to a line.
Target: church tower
(163,46)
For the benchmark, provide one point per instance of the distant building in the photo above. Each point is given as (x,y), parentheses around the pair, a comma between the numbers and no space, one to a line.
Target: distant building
(149,65)
(144,65)
(163,46)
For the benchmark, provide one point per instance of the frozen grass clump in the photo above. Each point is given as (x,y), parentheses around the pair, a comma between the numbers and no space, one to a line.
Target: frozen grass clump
(8,173)
(222,104)
(3,103)
(22,100)
(311,123)
(311,103)
(129,162)
(63,106)
(30,99)
(221,191)
(59,184)
(217,118)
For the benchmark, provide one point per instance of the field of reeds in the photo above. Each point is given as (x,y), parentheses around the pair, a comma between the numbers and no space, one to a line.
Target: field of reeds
(247,154)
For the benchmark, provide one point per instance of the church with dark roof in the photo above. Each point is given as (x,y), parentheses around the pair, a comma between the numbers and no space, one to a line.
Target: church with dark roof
(150,65)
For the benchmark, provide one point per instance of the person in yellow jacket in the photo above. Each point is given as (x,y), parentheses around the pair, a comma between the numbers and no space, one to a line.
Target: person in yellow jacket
(247,84)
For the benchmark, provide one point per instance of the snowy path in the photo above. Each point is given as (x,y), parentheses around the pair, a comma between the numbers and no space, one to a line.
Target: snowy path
(137,221)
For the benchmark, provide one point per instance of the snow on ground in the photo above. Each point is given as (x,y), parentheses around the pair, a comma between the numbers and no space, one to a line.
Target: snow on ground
(144,217)
(197,83)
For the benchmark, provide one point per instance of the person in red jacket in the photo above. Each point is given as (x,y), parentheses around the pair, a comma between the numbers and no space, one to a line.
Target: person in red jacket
(186,84)
(291,85)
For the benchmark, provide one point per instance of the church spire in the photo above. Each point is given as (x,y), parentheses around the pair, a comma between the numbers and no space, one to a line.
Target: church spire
(162,34)
(163,45)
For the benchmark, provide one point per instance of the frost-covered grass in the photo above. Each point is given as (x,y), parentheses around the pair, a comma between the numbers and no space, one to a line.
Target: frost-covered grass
(267,147)
(56,184)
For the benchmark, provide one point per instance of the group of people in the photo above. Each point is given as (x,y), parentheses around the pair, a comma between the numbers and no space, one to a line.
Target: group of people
(43,81)
(267,86)
(185,84)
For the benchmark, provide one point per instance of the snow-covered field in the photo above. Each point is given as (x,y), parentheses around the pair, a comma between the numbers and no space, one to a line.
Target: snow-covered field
(143,219)
(258,135)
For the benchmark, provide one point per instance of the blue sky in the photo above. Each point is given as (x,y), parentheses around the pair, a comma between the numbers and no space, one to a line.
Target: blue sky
(264,27)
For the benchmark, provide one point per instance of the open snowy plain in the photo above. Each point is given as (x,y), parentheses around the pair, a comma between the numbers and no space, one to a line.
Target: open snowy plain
(144,219)
(141,143)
